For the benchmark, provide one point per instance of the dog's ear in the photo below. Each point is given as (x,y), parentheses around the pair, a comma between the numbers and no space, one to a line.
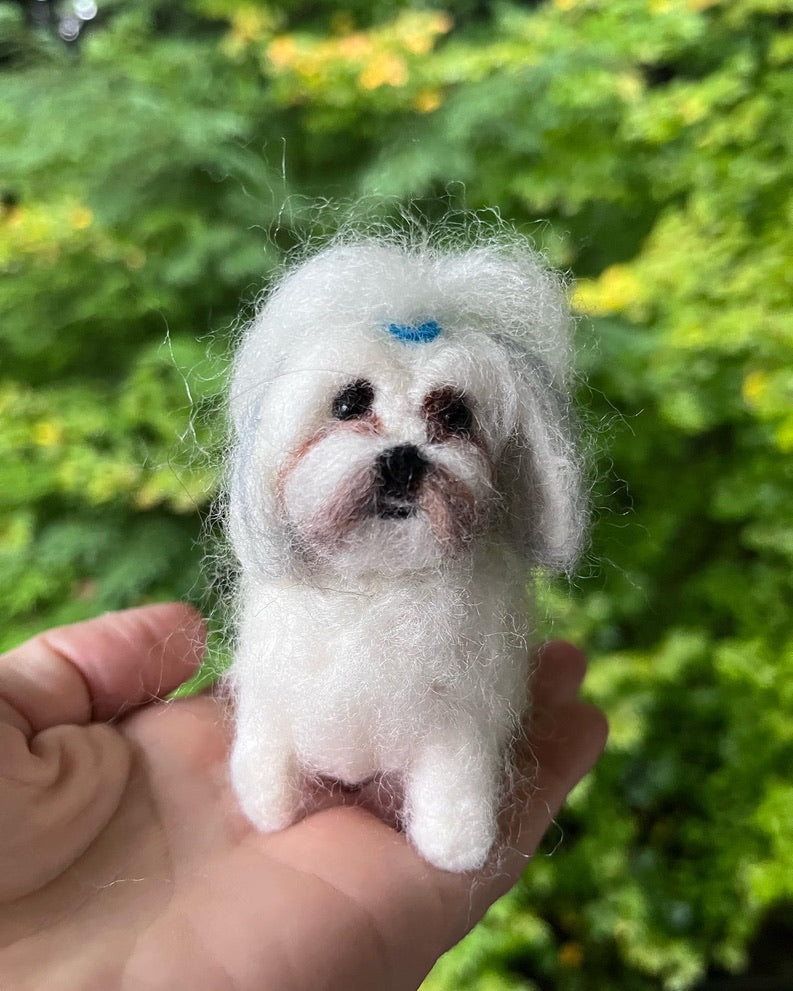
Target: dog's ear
(244,494)
(542,473)
(255,366)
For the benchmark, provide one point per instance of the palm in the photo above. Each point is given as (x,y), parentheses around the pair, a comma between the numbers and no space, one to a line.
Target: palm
(177,890)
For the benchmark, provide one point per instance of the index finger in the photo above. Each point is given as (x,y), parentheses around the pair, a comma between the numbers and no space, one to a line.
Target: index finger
(93,670)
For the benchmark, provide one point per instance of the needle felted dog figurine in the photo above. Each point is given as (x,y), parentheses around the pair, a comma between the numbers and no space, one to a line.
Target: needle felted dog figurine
(400,464)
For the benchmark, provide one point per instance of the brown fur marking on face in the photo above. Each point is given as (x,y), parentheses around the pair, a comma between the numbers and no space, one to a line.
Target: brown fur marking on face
(365,425)
(451,508)
(449,414)
(351,503)
(435,403)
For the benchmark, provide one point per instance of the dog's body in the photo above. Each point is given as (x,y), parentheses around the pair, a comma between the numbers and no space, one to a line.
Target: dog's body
(458,681)
(398,468)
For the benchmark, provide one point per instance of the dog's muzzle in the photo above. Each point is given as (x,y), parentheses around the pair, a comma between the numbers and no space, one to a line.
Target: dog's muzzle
(399,472)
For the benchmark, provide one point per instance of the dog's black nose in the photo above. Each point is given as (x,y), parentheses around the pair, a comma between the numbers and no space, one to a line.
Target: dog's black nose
(400,471)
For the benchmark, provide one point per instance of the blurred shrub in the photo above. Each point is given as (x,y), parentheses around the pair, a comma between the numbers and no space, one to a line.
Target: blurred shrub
(151,171)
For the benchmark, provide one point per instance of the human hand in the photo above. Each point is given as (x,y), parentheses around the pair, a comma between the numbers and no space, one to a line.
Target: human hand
(125,864)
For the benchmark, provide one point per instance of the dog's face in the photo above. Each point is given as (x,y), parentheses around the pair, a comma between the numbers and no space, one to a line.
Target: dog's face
(394,464)
(384,429)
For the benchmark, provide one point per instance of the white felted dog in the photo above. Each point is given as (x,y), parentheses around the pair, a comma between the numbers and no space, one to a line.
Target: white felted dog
(400,464)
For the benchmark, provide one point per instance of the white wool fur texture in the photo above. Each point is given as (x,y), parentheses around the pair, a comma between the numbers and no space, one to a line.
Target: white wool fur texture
(400,464)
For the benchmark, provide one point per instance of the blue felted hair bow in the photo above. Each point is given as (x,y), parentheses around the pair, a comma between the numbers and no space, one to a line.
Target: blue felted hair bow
(415,333)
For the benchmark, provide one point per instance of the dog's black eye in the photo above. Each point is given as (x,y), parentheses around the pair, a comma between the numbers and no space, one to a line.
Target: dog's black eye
(448,414)
(457,418)
(353,401)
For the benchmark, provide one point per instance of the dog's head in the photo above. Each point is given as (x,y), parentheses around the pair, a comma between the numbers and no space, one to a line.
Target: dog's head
(391,405)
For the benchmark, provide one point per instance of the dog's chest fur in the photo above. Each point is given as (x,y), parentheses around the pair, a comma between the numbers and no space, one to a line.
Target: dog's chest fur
(358,678)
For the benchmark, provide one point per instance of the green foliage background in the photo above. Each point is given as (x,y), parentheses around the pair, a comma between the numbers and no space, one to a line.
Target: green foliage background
(152,173)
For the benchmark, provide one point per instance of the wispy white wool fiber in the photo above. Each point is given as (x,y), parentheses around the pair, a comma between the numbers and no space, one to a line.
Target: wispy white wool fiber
(388,500)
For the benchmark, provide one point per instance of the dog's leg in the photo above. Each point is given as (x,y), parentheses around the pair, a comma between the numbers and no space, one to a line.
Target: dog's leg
(451,799)
(265,774)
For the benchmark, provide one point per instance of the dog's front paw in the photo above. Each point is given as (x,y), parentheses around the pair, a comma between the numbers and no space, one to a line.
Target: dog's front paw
(451,801)
(267,788)
(454,842)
